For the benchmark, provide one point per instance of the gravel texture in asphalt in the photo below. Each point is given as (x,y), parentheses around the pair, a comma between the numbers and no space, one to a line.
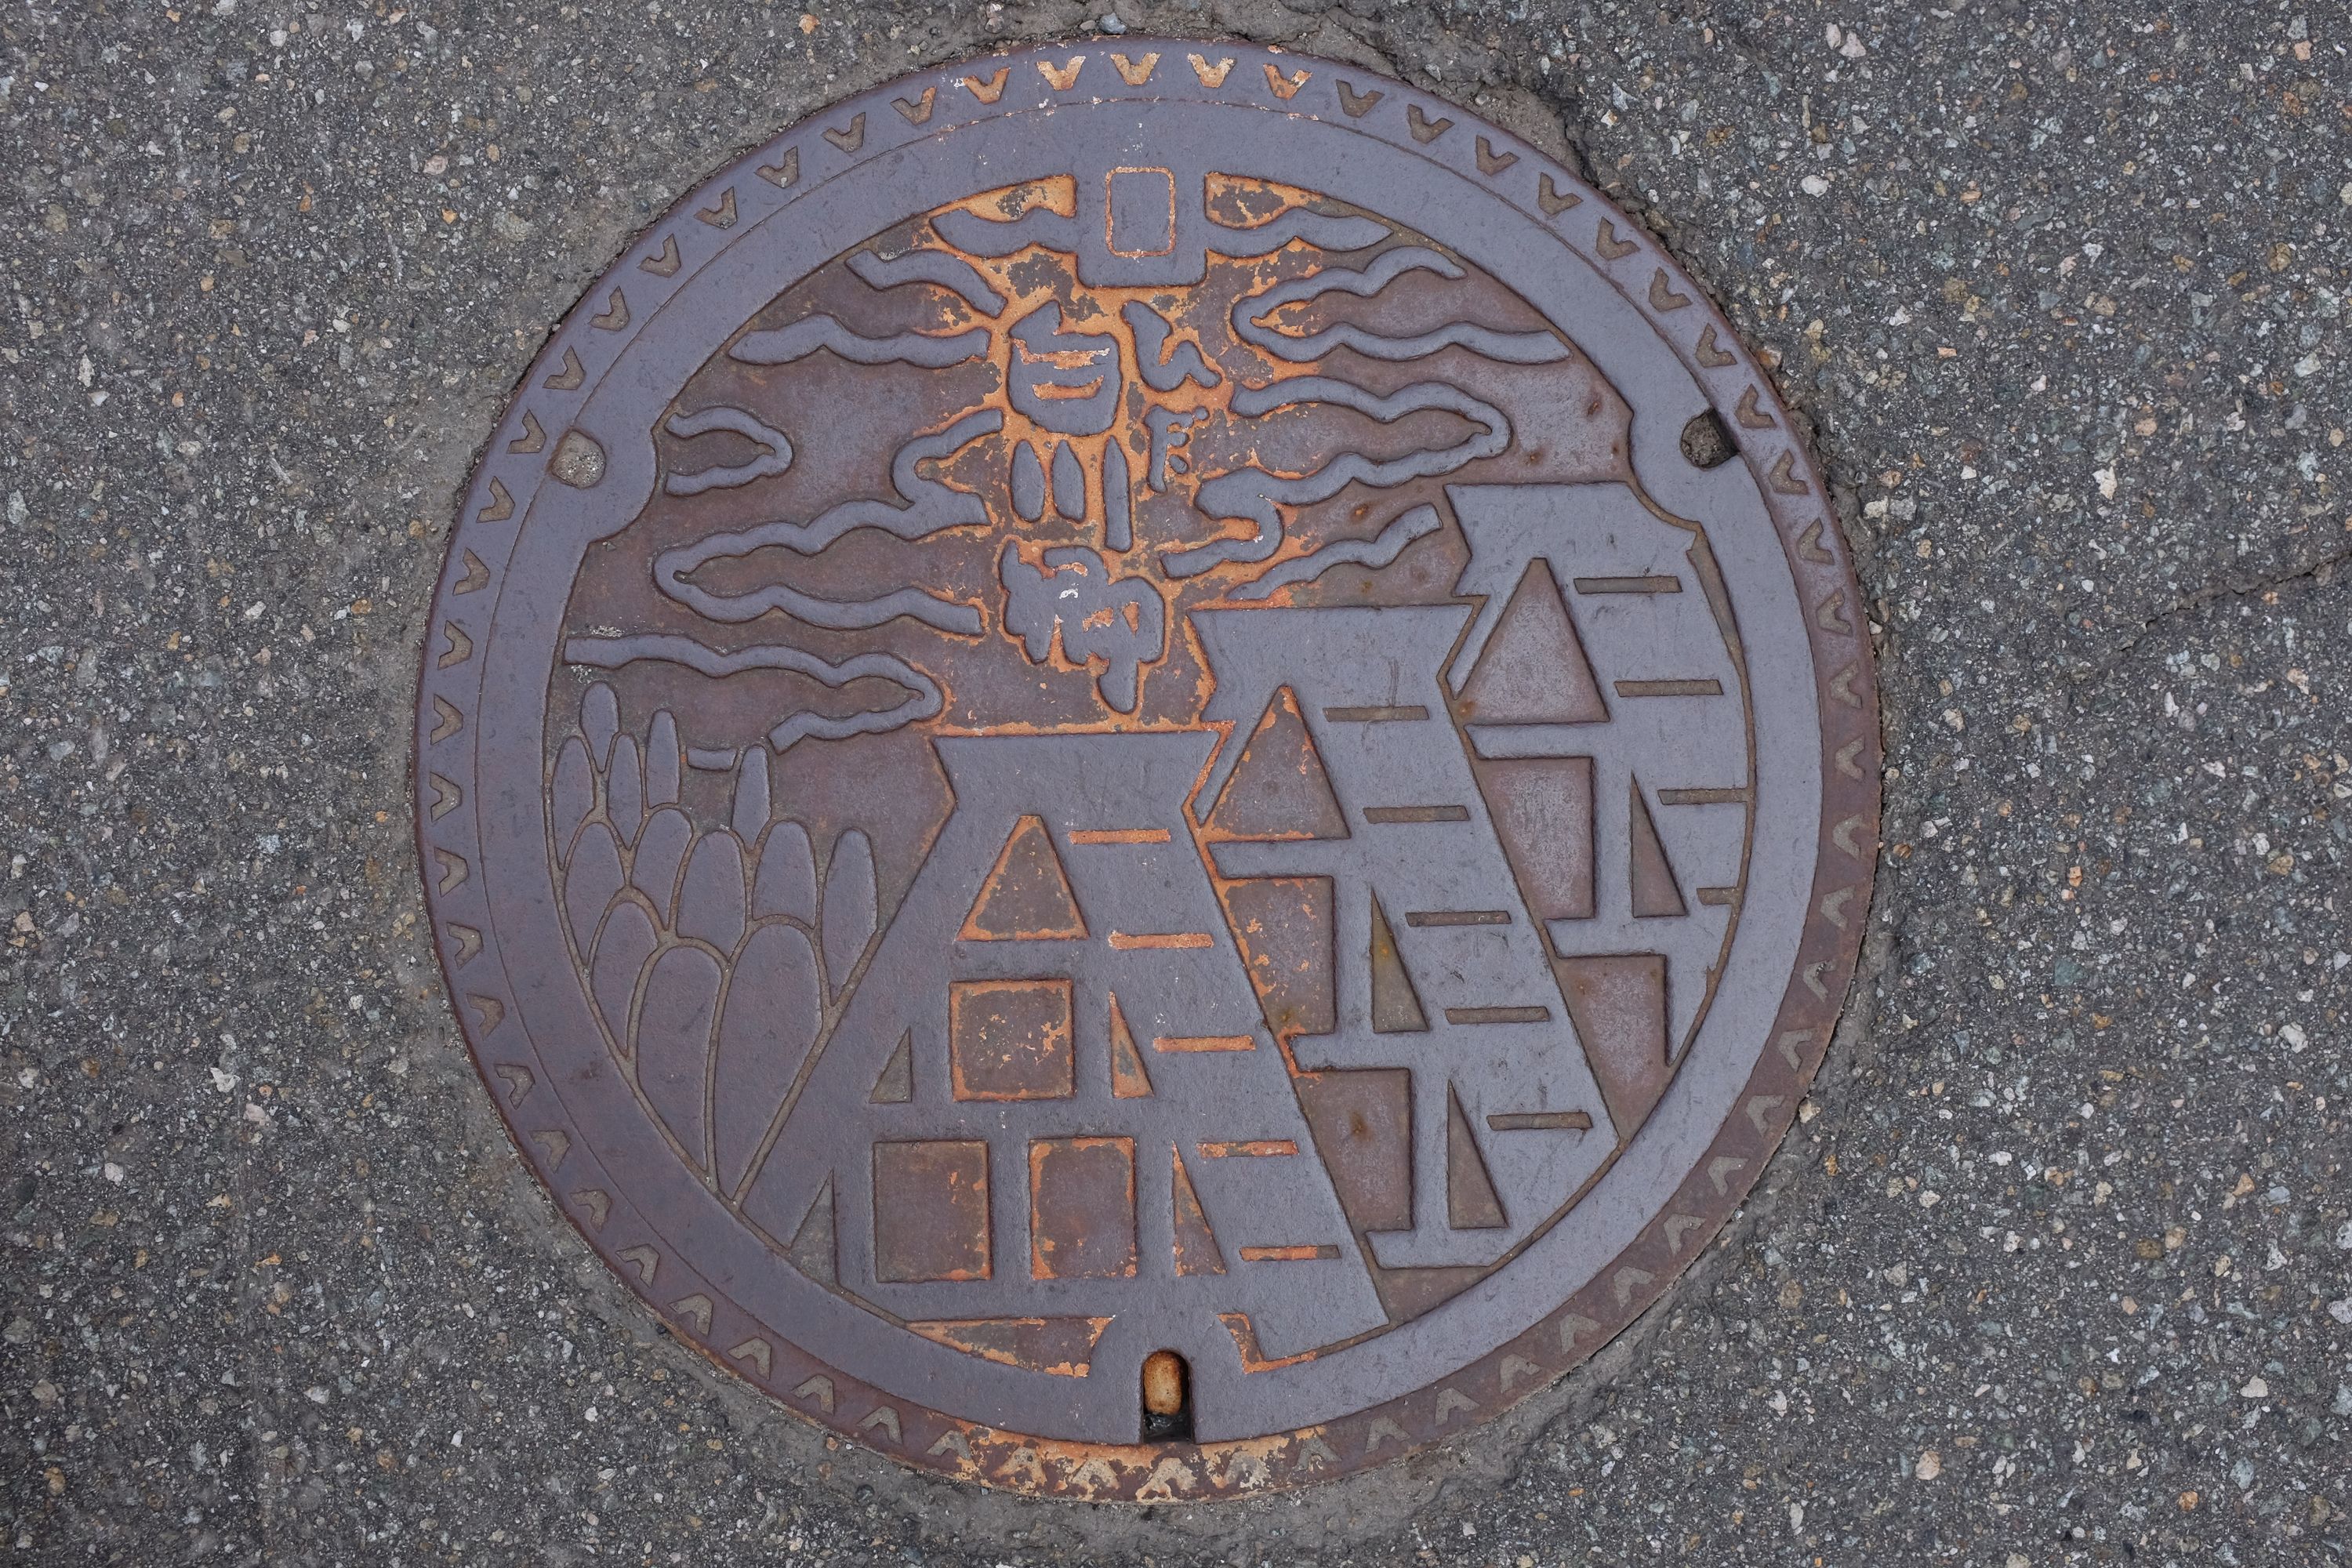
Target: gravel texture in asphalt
(2057,1267)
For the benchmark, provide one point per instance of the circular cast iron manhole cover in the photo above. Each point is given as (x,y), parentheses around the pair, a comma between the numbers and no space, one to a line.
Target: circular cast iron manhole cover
(1146,772)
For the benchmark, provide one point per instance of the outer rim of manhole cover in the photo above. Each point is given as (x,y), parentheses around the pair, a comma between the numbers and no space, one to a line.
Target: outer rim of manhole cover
(553,460)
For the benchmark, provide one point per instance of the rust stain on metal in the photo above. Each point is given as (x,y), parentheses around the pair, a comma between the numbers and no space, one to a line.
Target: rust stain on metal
(1163,1383)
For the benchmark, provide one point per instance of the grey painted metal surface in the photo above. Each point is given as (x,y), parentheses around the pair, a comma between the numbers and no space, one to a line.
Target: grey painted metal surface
(1353,903)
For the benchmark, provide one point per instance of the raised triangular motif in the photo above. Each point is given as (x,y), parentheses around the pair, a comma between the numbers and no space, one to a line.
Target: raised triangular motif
(812,1250)
(1027,896)
(1655,890)
(1196,1245)
(896,1083)
(1278,790)
(1128,1081)
(1062,1346)
(1618,1003)
(1471,1201)
(1396,1005)
(1533,669)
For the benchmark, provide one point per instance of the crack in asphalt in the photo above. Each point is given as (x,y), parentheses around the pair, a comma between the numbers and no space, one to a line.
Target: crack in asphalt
(2320,574)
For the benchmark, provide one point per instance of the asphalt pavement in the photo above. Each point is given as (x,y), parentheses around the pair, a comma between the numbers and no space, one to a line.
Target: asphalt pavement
(2057,1265)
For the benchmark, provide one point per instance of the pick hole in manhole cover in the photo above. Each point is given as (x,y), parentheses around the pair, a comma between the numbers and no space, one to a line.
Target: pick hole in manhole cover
(1160,821)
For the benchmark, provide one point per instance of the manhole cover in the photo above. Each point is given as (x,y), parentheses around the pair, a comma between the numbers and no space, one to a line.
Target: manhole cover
(1147,771)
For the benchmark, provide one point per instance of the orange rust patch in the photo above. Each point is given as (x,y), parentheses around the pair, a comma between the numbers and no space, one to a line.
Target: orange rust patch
(1060,1346)
(1244,1334)
(1182,1043)
(1118,835)
(1126,941)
